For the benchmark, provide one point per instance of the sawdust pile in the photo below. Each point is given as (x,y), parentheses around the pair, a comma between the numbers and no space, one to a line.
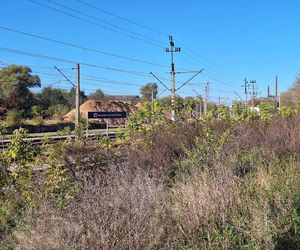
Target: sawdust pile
(98,106)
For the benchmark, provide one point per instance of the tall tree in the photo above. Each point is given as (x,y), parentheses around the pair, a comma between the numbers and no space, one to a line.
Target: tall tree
(291,98)
(52,96)
(147,90)
(15,84)
(98,95)
(72,95)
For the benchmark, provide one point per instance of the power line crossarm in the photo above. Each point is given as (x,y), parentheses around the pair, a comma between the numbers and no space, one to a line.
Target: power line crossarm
(159,80)
(190,79)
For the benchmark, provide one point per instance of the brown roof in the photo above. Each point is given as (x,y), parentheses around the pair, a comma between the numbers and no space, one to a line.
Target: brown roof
(123,98)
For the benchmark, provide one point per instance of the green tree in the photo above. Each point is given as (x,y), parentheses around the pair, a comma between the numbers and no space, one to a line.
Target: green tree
(13,117)
(266,111)
(57,111)
(36,111)
(223,112)
(147,90)
(166,102)
(52,96)
(19,149)
(72,95)
(189,103)
(98,95)
(150,113)
(15,84)
(238,110)
(291,98)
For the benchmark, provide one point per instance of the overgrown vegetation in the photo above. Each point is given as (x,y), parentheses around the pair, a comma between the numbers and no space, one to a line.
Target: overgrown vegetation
(229,180)
(215,184)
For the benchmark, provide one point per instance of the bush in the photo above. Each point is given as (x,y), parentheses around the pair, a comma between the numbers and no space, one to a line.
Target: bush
(19,149)
(57,111)
(36,111)
(122,212)
(212,185)
(38,120)
(13,117)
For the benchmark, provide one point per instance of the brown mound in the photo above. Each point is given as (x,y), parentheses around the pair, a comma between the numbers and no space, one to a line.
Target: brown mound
(111,106)
(138,105)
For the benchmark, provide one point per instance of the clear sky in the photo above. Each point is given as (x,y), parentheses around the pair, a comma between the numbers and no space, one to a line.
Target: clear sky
(230,39)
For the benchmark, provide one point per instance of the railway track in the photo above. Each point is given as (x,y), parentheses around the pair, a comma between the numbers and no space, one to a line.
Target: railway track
(56,138)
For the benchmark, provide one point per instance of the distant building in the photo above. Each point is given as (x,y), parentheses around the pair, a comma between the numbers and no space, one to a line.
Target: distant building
(128,99)
(270,99)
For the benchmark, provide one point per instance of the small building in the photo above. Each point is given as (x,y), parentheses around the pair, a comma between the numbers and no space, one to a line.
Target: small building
(128,99)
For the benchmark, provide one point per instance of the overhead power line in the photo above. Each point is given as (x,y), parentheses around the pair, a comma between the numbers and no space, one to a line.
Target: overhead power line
(30,54)
(220,81)
(87,20)
(94,23)
(219,70)
(210,74)
(25,53)
(90,78)
(105,22)
(193,53)
(123,18)
(81,47)
(159,32)
(62,73)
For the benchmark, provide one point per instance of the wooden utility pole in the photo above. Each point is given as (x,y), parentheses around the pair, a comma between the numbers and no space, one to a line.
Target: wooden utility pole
(77,101)
(206,97)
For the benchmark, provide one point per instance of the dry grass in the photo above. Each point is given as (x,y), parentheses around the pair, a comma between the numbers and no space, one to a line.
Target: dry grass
(243,195)
(122,212)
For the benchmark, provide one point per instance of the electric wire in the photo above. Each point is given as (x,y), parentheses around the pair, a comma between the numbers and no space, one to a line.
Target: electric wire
(123,18)
(94,23)
(25,53)
(102,21)
(82,47)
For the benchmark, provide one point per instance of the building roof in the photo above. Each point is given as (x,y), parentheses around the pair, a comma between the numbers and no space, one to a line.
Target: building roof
(121,98)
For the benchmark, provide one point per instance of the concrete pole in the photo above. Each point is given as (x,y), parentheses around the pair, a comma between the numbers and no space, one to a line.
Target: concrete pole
(77,101)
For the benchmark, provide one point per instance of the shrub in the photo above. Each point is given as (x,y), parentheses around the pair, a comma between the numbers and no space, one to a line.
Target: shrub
(57,111)
(36,111)
(64,131)
(209,185)
(19,149)
(121,212)
(38,120)
(13,117)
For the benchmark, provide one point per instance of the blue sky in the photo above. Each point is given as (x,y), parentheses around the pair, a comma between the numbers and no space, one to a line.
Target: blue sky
(230,39)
